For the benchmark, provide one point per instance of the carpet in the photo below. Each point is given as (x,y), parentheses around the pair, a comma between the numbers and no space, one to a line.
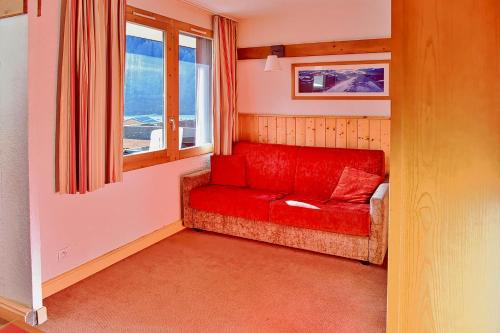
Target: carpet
(205,282)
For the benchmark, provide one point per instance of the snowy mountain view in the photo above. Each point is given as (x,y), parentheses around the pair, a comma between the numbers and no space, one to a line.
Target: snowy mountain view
(144,78)
(362,80)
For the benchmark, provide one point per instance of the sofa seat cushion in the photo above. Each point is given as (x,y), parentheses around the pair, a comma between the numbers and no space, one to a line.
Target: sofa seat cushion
(234,201)
(339,217)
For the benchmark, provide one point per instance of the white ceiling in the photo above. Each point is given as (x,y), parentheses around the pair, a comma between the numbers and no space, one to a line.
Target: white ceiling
(241,9)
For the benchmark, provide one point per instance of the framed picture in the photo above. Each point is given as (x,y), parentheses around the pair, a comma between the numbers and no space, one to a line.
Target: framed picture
(341,80)
(10,8)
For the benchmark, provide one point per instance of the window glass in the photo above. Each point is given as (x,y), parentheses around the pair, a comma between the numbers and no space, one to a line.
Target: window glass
(195,91)
(144,123)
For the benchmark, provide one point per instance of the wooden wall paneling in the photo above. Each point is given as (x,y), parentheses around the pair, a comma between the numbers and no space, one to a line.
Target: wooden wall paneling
(363,134)
(444,233)
(385,141)
(300,131)
(330,124)
(262,129)
(281,130)
(320,132)
(341,134)
(310,132)
(352,133)
(242,130)
(374,142)
(290,131)
(254,137)
(249,125)
(244,127)
(271,130)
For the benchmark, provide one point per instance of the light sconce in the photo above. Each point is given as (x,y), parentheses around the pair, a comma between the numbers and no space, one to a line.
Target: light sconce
(272,62)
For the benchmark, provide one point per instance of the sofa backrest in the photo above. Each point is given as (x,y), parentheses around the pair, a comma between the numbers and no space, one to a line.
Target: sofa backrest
(269,167)
(310,171)
(318,169)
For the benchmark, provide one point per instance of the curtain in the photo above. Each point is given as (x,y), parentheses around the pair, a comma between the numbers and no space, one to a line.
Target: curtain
(90,101)
(225,116)
(203,91)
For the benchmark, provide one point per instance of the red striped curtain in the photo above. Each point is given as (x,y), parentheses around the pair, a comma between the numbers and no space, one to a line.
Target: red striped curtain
(90,101)
(225,115)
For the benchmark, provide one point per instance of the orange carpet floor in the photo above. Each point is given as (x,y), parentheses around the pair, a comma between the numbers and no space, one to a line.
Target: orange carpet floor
(204,282)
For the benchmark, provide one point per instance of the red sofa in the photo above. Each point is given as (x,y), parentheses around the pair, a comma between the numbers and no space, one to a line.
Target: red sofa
(277,175)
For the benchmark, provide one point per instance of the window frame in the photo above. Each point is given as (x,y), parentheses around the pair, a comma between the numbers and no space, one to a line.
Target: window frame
(171,28)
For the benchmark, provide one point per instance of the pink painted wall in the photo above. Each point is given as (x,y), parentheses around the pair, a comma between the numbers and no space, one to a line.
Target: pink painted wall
(327,20)
(269,92)
(92,224)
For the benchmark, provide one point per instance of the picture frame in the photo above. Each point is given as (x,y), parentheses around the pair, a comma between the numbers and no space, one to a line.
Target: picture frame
(341,80)
(9,8)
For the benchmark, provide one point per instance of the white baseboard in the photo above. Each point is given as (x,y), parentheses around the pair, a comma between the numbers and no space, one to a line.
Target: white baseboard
(87,269)
(41,315)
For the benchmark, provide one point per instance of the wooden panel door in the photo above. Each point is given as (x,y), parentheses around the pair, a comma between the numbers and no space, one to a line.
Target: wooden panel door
(444,236)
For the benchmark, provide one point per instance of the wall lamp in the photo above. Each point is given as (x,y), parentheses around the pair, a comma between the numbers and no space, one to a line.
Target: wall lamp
(272,62)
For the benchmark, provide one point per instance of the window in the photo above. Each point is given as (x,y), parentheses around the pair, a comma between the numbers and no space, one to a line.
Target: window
(195,91)
(144,122)
(168,90)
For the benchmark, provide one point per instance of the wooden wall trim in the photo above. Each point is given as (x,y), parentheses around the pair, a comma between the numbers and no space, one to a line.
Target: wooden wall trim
(318,131)
(9,8)
(320,49)
(14,311)
(87,269)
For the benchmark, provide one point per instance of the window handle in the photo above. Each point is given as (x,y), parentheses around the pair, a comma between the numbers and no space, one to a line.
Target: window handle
(172,124)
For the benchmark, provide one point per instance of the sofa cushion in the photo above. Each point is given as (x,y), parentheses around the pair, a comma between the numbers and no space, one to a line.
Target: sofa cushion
(356,186)
(339,217)
(233,201)
(319,169)
(269,167)
(228,170)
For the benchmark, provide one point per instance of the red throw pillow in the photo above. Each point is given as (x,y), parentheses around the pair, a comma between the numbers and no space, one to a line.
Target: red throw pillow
(228,170)
(356,186)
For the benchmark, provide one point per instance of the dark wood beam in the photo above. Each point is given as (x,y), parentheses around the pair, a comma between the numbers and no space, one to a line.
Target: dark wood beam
(320,49)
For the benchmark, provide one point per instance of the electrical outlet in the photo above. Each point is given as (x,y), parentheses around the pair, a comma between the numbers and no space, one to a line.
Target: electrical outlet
(62,253)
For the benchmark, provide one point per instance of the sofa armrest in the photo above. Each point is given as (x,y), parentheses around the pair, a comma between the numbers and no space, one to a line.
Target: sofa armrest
(379,202)
(379,212)
(195,179)
(188,183)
